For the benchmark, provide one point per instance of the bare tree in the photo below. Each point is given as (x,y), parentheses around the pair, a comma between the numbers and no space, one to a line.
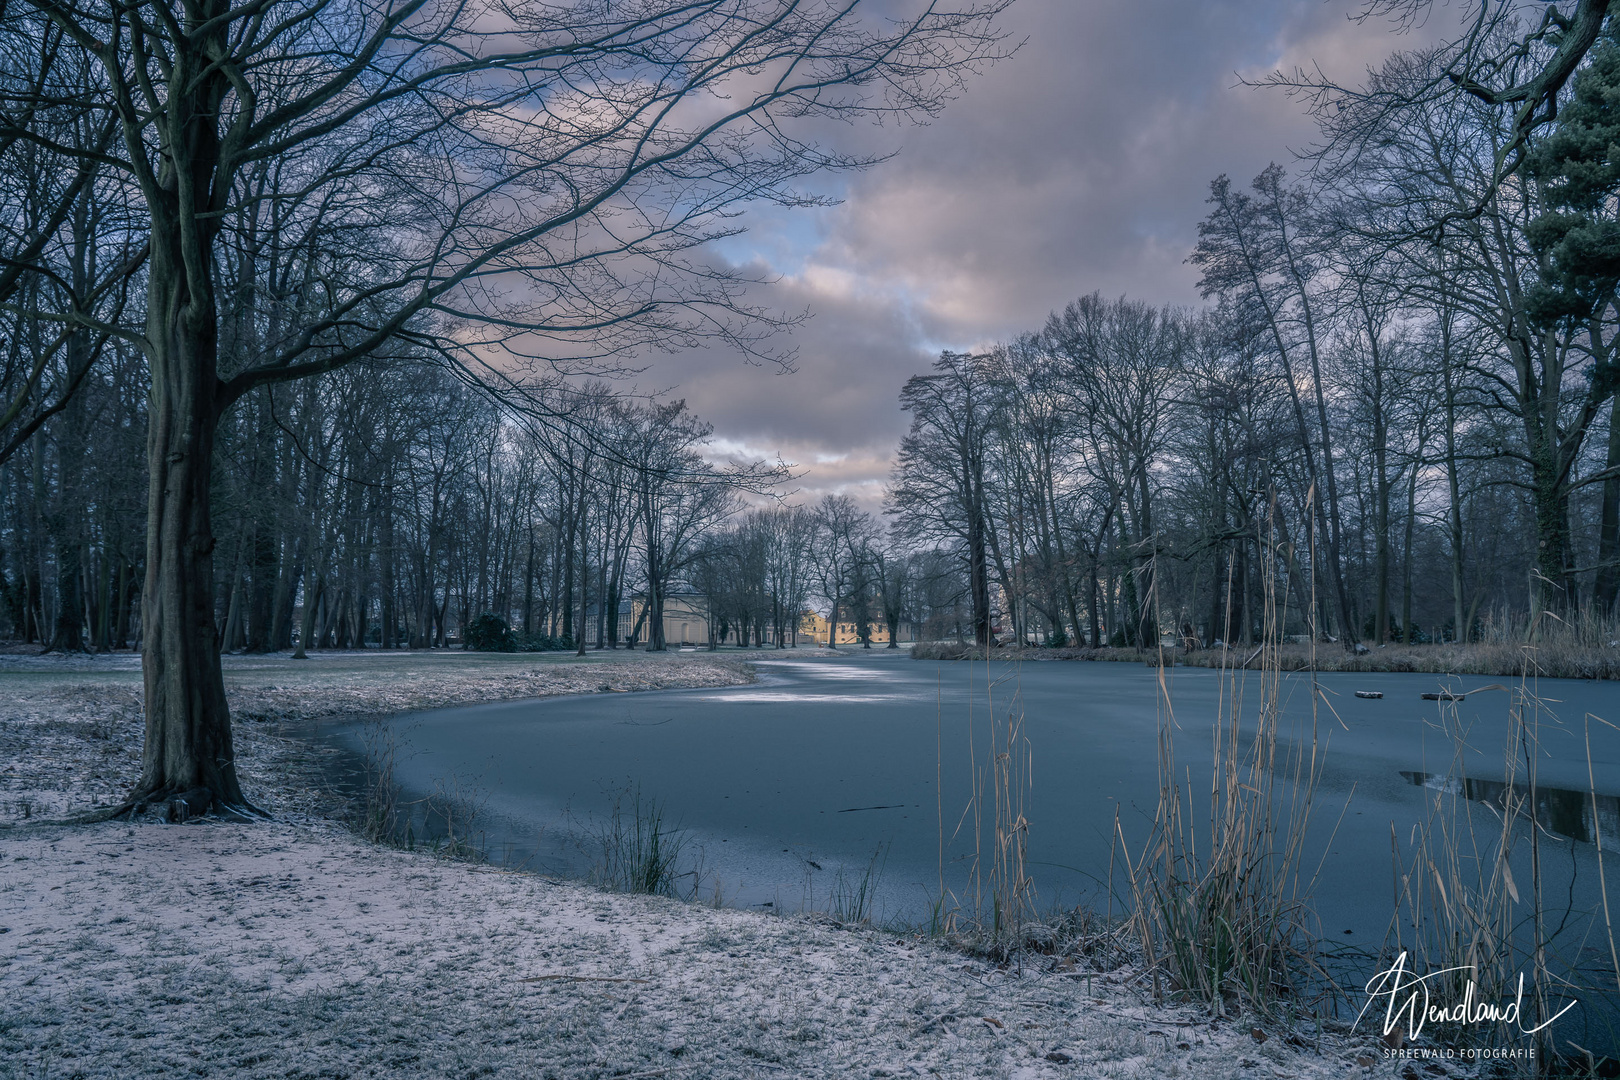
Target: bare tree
(788,531)
(839,553)
(1518,71)
(1260,253)
(938,490)
(1440,161)
(1122,359)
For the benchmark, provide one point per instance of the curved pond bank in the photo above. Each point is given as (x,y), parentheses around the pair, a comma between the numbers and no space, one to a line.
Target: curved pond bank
(785,784)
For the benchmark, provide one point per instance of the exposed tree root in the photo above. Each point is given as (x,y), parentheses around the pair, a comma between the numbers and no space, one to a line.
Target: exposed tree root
(174,806)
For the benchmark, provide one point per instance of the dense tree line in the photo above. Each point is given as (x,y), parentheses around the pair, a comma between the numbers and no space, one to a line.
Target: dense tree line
(1405,385)
(1420,415)
(760,578)
(382,506)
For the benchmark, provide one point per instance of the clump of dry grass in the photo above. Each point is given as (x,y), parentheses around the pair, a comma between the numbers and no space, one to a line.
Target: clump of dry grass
(851,898)
(444,821)
(1221,898)
(637,850)
(1078,941)
(380,800)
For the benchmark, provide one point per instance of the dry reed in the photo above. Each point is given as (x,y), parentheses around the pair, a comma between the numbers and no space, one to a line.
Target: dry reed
(1224,917)
(636,851)
(998,901)
(1463,914)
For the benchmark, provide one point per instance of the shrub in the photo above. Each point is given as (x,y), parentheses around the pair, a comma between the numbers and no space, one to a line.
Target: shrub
(489,633)
(546,643)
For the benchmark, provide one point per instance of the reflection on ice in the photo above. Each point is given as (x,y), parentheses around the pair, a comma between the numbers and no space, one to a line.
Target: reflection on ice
(1560,810)
(828,671)
(757,697)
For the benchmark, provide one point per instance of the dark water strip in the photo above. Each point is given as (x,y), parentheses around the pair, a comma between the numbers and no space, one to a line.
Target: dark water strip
(1575,815)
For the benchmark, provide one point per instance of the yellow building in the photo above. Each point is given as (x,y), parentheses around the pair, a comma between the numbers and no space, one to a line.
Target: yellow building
(686,622)
(686,619)
(813,627)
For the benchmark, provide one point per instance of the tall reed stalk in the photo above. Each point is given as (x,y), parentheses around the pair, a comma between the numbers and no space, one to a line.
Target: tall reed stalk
(1011,768)
(381,801)
(999,895)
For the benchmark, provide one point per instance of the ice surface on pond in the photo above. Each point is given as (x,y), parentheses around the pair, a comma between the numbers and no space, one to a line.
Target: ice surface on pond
(760,776)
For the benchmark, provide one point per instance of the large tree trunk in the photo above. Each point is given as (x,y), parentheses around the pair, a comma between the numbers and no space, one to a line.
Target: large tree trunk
(1606,588)
(67,526)
(1552,584)
(1461,627)
(121,615)
(385,569)
(567,594)
(1381,494)
(1094,615)
(1147,562)
(188,723)
(292,571)
(978,577)
(655,574)
(988,531)
(69,633)
(264,548)
(1408,635)
(528,586)
(584,595)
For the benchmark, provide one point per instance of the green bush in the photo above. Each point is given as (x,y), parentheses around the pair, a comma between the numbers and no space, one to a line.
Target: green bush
(489,633)
(546,643)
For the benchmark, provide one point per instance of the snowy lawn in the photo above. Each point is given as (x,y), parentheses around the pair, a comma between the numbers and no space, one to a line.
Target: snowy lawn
(71,727)
(292,949)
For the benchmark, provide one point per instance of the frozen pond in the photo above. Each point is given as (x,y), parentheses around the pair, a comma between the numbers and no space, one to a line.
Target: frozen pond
(784,783)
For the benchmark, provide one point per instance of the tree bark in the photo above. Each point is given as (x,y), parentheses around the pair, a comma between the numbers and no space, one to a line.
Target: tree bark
(188,723)
(1409,636)
(1606,589)
(1461,629)
(1382,485)
(978,564)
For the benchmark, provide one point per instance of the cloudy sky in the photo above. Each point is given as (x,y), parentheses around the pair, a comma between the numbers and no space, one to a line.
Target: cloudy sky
(1079,164)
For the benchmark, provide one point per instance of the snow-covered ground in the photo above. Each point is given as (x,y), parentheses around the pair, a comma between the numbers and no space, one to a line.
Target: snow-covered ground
(71,726)
(291,949)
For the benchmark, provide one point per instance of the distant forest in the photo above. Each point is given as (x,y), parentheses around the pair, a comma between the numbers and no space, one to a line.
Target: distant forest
(1397,410)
